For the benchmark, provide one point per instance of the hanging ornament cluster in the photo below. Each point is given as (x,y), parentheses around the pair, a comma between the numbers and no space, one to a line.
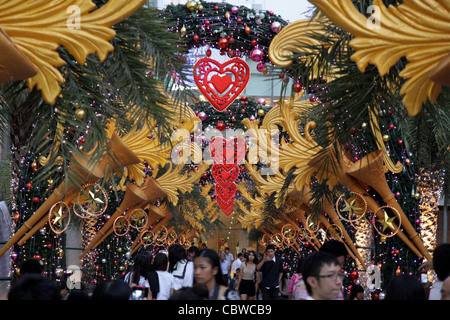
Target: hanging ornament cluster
(221,83)
(235,30)
(227,154)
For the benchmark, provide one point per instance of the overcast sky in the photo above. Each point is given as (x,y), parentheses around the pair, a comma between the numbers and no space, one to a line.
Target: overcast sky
(290,10)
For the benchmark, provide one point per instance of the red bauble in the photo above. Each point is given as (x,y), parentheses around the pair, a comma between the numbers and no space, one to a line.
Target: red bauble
(297,87)
(254,43)
(207,22)
(220,126)
(28,186)
(223,43)
(35,199)
(196,38)
(216,8)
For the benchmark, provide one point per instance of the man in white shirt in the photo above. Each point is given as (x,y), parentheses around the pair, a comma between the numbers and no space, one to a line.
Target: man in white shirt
(228,255)
(237,263)
(322,275)
(224,267)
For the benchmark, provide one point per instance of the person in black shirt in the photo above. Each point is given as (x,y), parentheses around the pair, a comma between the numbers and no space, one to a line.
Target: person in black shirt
(271,268)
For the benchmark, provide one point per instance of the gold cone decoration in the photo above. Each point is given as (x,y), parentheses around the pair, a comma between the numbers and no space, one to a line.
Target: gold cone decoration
(16,65)
(135,197)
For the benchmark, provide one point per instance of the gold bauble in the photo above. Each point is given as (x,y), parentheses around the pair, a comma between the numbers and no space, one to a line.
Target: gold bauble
(80,113)
(201,98)
(191,5)
(417,196)
(261,112)
(364,126)
(183,30)
(385,138)
(199,7)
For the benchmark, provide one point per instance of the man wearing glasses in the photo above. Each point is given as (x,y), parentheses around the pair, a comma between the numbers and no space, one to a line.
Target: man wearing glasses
(323,276)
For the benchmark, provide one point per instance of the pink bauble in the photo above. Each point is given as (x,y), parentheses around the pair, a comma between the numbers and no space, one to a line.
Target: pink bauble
(256,55)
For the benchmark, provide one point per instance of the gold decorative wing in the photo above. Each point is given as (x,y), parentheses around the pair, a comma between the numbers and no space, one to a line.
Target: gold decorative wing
(39,27)
(417,29)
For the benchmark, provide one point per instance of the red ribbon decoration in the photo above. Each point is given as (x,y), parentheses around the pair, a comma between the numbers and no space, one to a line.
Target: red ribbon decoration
(226,154)
(221,83)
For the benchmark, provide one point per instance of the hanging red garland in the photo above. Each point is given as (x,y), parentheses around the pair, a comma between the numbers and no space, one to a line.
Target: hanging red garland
(227,154)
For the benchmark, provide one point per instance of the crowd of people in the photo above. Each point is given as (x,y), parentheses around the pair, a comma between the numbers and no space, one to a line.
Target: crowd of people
(193,274)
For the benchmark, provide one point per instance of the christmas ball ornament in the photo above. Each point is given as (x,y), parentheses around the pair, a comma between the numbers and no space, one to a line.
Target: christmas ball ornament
(35,199)
(196,38)
(417,196)
(260,66)
(275,26)
(202,116)
(216,8)
(253,42)
(297,87)
(183,30)
(261,101)
(208,52)
(239,20)
(200,7)
(227,15)
(34,165)
(28,186)
(234,10)
(220,126)
(256,55)
(364,126)
(79,114)
(223,43)
(201,98)
(407,162)
(191,5)
(247,29)
(385,138)
(207,23)
(261,112)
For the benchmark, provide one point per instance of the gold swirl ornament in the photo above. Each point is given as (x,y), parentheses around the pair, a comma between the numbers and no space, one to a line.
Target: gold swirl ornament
(417,29)
(37,29)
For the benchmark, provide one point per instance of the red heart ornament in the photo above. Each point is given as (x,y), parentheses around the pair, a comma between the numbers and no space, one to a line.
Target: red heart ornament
(226,193)
(221,83)
(223,175)
(226,206)
(228,152)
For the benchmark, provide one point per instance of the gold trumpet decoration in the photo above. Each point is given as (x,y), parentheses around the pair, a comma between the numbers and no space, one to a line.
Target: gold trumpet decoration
(135,197)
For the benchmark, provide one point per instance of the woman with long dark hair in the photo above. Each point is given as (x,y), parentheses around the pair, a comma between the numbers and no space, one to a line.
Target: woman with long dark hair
(138,275)
(247,278)
(207,271)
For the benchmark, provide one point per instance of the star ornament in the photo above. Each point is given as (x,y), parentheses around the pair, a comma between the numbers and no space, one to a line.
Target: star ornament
(59,217)
(387,222)
(352,208)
